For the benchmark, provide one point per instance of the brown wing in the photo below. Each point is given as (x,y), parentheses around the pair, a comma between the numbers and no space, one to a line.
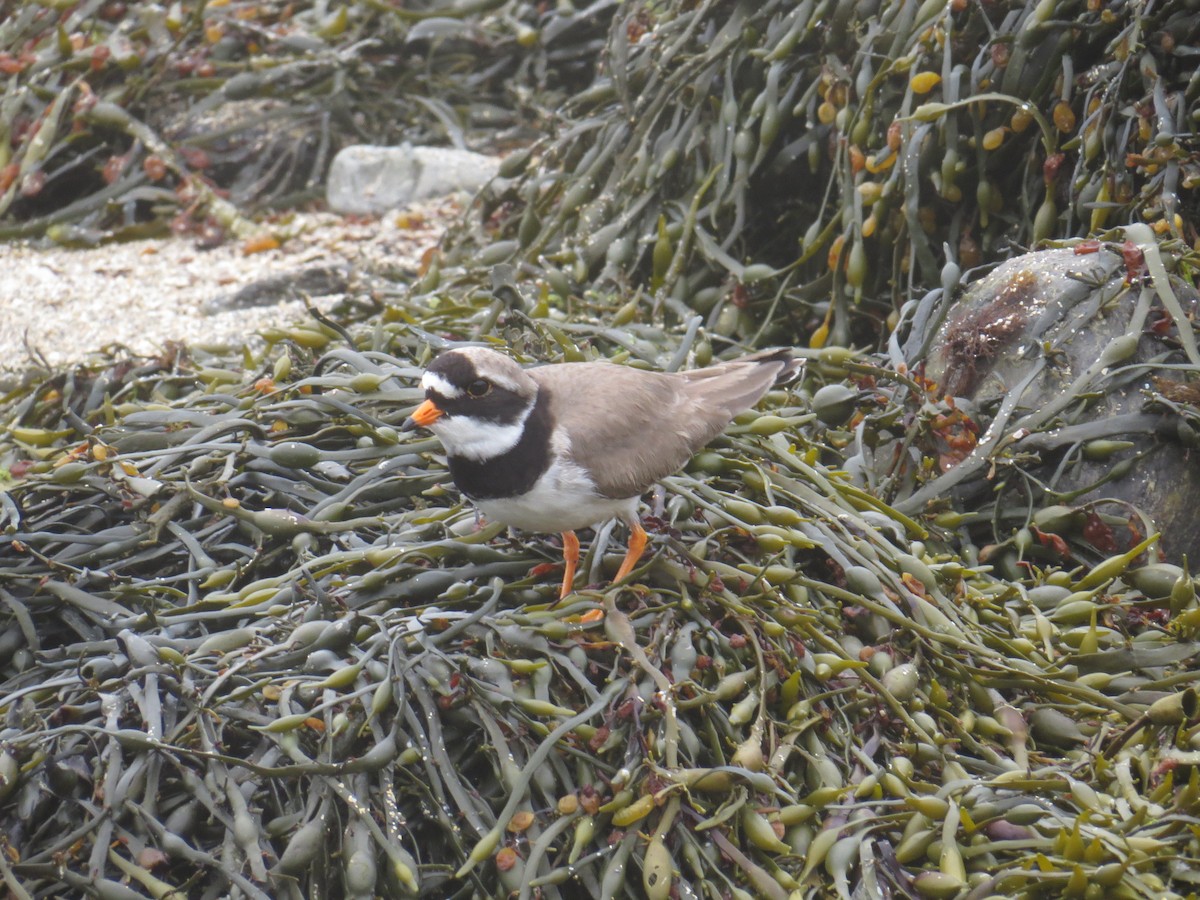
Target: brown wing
(740,383)
(642,426)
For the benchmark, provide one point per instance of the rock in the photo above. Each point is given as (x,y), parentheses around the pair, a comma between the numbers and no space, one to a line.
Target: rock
(368,180)
(1079,377)
(311,281)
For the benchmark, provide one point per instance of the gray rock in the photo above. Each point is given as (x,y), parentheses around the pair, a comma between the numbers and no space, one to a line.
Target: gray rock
(367,180)
(312,281)
(1078,378)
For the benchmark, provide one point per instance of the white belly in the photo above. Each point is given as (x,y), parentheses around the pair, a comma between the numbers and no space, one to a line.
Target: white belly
(563,499)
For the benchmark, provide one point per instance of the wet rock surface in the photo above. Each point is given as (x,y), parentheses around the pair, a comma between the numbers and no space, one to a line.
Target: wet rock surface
(1072,356)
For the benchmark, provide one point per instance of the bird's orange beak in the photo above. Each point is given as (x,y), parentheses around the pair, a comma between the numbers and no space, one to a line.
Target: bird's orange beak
(423,416)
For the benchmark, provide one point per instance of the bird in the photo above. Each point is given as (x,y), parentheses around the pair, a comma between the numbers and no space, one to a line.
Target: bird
(564,446)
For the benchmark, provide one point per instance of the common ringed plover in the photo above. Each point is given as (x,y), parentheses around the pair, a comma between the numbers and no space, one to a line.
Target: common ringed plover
(571,445)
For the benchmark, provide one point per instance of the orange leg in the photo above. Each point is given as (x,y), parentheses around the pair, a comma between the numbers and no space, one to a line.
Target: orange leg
(637,545)
(571,558)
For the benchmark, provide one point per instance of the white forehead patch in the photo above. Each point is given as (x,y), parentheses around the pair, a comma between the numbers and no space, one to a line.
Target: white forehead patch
(439,385)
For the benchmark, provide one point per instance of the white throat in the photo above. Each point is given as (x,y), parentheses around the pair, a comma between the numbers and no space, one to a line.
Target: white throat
(476,439)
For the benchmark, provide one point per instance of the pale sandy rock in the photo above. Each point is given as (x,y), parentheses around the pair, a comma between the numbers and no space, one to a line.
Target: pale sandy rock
(366,179)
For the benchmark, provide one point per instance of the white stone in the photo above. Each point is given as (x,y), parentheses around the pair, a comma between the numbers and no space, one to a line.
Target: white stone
(368,180)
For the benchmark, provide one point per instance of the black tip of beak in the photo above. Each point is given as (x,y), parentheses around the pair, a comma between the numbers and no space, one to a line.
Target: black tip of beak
(410,424)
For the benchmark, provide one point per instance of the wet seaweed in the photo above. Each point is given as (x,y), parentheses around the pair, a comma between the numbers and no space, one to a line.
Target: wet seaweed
(795,171)
(120,118)
(253,643)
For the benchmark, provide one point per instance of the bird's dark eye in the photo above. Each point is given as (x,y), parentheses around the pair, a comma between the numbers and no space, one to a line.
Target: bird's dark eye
(478,387)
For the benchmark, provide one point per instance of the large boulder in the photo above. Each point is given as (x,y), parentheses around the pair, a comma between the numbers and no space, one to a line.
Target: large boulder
(1072,363)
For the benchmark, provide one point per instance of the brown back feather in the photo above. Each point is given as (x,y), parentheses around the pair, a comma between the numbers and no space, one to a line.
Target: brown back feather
(646,425)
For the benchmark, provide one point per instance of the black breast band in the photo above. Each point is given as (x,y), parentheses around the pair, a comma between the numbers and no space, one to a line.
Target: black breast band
(515,472)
